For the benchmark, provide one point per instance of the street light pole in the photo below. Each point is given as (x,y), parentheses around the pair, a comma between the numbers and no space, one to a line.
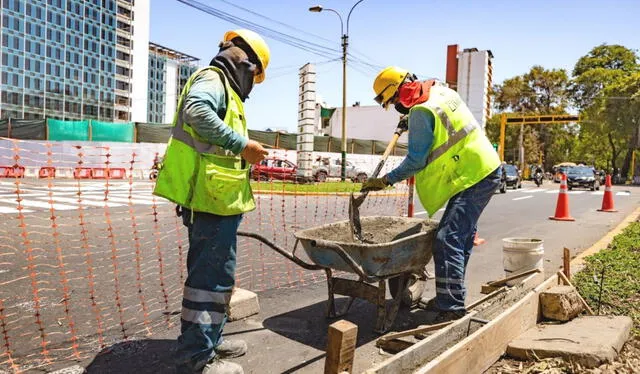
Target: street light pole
(345,43)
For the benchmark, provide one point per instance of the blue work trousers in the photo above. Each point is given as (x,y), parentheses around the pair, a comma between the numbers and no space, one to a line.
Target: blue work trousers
(211,265)
(454,241)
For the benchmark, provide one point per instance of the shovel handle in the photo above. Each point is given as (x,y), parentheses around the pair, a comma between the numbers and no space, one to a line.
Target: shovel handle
(386,154)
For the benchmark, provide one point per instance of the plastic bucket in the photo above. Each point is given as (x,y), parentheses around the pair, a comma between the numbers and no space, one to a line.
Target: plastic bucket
(521,254)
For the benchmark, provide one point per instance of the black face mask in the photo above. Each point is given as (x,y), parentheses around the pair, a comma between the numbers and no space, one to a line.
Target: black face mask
(401,108)
(237,68)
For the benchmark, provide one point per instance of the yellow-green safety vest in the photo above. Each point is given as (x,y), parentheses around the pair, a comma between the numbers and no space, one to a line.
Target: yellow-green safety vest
(201,176)
(460,155)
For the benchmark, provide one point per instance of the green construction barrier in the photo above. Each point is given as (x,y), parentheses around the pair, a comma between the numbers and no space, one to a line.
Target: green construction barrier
(112,131)
(67,130)
(153,132)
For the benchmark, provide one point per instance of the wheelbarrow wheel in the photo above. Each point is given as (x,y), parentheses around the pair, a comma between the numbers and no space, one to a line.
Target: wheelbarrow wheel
(411,295)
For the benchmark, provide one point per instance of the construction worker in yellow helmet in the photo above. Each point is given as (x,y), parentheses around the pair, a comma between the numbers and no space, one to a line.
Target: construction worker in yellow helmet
(206,173)
(454,164)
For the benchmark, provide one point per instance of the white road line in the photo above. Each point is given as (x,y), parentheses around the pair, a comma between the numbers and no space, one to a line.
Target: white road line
(623,193)
(85,202)
(576,192)
(540,190)
(4,210)
(523,197)
(41,204)
(527,189)
(554,191)
(419,213)
(598,193)
(133,201)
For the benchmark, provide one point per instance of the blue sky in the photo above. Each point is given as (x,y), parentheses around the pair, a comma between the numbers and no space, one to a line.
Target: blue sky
(411,34)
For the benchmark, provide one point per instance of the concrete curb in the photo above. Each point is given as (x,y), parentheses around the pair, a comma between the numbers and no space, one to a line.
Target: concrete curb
(244,303)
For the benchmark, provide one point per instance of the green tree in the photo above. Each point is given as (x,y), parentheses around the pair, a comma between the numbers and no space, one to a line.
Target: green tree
(605,88)
(539,91)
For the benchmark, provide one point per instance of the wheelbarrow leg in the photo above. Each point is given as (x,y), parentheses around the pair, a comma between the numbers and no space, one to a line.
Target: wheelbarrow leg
(396,301)
(381,313)
(331,303)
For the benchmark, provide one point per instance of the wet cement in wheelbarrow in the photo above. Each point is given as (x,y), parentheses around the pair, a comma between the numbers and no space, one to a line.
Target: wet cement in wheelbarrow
(374,230)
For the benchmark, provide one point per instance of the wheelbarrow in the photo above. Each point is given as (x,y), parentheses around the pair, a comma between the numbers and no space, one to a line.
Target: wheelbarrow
(401,250)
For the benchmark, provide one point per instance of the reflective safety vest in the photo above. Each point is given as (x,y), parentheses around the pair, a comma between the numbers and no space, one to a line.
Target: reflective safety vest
(460,155)
(201,176)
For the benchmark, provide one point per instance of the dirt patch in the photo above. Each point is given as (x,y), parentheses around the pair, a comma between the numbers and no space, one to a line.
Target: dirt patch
(374,229)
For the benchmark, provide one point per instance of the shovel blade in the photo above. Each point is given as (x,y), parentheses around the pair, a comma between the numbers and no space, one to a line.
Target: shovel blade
(354,216)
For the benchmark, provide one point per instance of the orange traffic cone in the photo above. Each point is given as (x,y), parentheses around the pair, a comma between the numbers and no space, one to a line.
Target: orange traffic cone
(562,206)
(478,241)
(607,200)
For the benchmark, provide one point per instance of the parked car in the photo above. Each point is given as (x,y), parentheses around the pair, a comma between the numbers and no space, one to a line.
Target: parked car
(274,168)
(582,176)
(513,177)
(325,168)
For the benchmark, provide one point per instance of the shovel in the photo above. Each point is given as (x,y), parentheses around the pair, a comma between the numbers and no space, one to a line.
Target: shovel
(355,202)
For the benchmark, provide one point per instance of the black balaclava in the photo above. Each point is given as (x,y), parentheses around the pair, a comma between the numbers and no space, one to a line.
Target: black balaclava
(401,108)
(236,65)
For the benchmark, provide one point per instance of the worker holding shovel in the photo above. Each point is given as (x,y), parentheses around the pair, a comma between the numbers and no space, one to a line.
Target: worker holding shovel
(205,171)
(453,161)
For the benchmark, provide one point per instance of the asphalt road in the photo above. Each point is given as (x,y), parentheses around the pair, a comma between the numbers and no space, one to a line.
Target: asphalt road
(124,269)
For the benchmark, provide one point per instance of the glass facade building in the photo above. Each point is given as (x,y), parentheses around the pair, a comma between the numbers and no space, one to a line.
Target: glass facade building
(66,59)
(169,71)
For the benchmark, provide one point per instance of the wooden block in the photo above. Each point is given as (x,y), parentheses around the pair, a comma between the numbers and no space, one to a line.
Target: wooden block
(341,346)
(561,303)
(487,289)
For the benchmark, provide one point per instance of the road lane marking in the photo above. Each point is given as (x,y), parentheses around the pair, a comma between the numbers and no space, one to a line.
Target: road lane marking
(4,210)
(552,191)
(133,201)
(540,190)
(623,193)
(84,201)
(576,192)
(419,213)
(40,204)
(598,193)
(523,197)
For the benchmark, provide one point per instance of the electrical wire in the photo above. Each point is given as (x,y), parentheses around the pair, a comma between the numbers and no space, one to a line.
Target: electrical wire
(275,21)
(293,41)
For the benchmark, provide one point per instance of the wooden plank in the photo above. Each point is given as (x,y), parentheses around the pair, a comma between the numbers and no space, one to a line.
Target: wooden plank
(429,348)
(348,287)
(566,263)
(480,350)
(341,347)
(425,350)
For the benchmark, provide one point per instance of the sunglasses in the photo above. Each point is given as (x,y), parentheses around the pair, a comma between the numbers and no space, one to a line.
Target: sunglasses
(378,99)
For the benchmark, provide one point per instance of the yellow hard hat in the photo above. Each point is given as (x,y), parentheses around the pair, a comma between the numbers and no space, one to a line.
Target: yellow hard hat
(386,84)
(257,44)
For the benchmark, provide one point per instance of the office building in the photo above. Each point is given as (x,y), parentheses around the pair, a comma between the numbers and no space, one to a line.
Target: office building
(470,73)
(74,59)
(169,71)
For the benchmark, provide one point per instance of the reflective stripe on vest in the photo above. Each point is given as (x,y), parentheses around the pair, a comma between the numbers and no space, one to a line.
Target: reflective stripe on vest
(454,136)
(180,134)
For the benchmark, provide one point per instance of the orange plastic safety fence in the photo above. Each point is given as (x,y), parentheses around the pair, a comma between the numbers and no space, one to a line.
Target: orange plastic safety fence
(89,257)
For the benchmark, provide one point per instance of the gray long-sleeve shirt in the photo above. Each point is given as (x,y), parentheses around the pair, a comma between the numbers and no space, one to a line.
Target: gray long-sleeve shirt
(204,108)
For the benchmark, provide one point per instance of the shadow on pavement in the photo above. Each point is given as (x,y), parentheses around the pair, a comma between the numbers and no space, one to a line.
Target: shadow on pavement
(309,325)
(135,356)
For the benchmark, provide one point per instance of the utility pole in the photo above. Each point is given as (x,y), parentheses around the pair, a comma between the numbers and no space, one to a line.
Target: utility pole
(345,43)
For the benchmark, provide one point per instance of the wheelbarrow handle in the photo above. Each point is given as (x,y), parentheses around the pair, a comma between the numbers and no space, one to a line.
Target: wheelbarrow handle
(281,250)
(345,256)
